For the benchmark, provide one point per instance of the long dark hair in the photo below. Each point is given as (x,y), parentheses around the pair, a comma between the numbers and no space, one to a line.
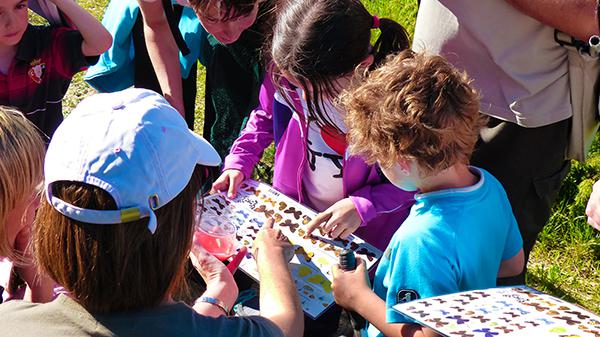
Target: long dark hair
(318,41)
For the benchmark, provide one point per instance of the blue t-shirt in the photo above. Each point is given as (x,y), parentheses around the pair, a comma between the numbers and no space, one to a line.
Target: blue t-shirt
(453,240)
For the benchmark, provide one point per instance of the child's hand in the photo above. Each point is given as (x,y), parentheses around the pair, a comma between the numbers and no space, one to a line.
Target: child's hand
(339,220)
(348,285)
(230,181)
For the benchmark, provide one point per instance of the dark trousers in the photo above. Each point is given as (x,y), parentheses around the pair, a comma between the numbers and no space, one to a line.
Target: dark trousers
(530,163)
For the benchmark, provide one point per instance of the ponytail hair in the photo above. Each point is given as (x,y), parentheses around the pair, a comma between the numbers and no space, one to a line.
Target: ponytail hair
(393,39)
(317,42)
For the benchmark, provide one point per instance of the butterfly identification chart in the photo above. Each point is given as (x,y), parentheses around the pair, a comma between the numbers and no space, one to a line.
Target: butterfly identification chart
(511,311)
(313,255)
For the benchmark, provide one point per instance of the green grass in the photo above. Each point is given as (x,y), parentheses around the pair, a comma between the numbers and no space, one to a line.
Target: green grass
(566,260)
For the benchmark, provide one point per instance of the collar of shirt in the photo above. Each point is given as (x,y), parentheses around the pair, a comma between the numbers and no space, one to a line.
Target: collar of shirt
(29,47)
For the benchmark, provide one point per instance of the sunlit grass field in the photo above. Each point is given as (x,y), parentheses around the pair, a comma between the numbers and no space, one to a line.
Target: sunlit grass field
(565,261)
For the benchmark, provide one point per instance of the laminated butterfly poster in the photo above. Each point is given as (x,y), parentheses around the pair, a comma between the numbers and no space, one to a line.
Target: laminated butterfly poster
(313,256)
(510,311)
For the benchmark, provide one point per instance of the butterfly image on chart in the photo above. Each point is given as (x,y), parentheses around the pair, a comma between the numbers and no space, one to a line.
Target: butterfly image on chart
(306,255)
(253,190)
(263,209)
(568,320)
(315,279)
(518,326)
(575,313)
(459,319)
(537,306)
(367,253)
(437,321)
(422,313)
(242,214)
(462,333)
(481,318)
(505,330)
(268,200)
(218,211)
(219,203)
(294,212)
(487,332)
(482,294)
(291,225)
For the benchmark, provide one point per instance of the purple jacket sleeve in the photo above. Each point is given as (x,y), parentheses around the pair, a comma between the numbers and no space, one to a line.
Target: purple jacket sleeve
(247,150)
(373,200)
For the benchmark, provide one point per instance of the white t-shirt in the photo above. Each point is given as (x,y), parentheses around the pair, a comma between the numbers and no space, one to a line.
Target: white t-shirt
(520,70)
(322,175)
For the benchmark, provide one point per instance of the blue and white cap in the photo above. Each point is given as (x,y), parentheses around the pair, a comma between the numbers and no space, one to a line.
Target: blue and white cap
(133,145)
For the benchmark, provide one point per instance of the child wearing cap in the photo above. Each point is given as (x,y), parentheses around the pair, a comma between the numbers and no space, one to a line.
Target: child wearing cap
(122,174)
(418,117)
(21,174)
(37,63)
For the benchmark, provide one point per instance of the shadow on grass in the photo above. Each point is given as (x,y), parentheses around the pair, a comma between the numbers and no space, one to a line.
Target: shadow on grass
(547,286)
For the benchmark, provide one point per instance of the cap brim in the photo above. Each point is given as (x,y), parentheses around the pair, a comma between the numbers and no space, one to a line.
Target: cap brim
(208,156)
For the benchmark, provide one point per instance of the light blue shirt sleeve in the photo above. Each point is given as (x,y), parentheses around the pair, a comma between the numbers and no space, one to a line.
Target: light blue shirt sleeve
(419,268)
(514,241)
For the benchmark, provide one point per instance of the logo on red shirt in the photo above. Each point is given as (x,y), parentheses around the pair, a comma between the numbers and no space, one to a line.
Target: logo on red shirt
(36,70)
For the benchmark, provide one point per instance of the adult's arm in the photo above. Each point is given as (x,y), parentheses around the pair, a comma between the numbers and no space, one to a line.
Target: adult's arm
(593,207)
(163,52)
(278,300)
(578,18)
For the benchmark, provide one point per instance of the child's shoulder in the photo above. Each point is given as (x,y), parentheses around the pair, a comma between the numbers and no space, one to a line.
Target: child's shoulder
(43,37)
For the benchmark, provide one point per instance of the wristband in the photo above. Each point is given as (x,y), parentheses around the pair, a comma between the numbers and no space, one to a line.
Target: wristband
(214,301)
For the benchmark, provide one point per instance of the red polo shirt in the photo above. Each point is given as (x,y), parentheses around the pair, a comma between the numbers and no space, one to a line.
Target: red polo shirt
(37,80)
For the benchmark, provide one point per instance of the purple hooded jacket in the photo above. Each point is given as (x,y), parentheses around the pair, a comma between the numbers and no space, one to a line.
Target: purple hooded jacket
(382,206)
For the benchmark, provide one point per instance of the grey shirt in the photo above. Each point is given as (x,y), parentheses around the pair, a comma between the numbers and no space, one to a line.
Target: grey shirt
(65,317)
(513,59)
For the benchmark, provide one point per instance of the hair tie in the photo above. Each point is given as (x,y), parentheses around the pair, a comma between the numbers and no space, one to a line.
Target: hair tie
(375,24)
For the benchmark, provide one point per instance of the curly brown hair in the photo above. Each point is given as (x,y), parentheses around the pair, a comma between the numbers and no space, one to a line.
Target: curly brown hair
(414,106)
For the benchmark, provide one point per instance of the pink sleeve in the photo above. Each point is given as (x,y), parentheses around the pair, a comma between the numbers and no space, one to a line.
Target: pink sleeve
(373,200)
(248,148)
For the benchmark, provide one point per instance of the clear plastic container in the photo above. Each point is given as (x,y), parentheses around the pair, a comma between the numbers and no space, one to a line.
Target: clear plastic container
(216,235)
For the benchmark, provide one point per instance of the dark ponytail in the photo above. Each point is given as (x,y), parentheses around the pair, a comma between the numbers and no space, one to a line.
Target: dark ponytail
(392,40)
(317,42)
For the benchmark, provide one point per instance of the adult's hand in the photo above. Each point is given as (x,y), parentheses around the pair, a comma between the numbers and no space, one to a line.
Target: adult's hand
(219,281)
(593,207)
(279,301)
(271,242)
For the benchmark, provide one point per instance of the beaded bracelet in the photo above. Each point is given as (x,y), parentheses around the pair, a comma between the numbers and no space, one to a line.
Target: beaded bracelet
(214,301)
